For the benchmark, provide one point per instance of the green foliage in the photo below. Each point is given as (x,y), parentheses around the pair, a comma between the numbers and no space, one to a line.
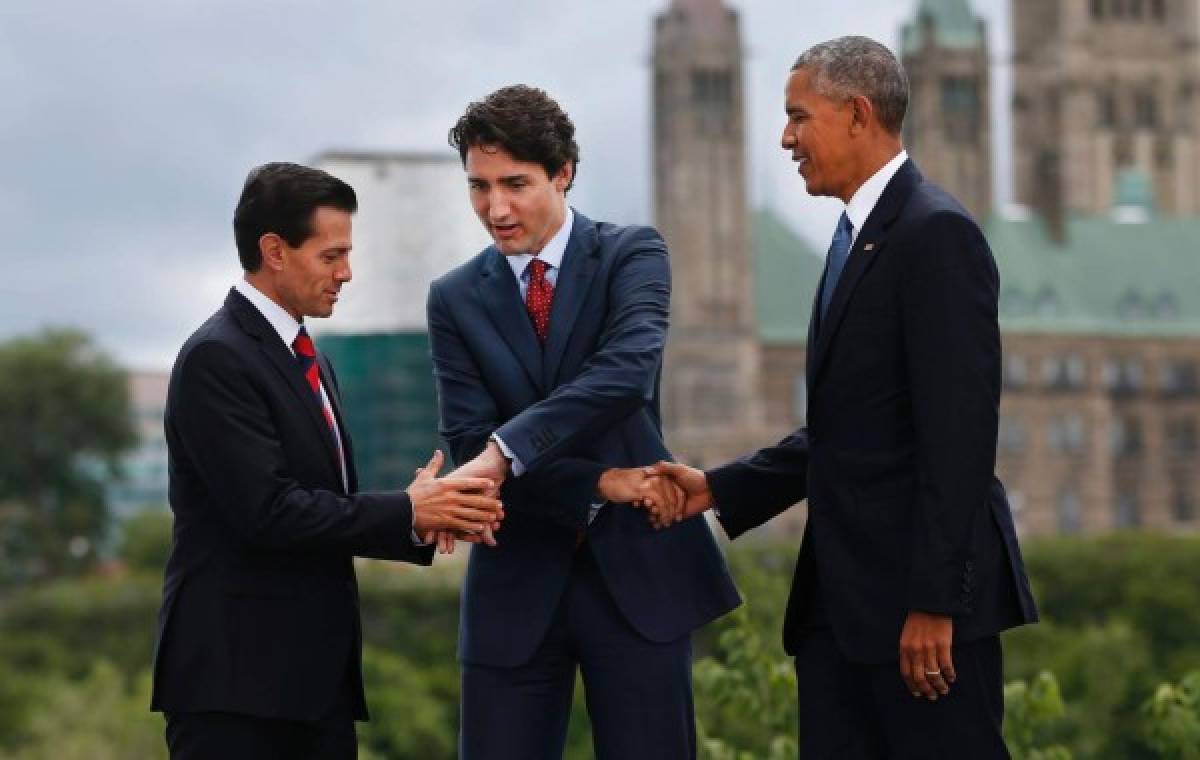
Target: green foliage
(745,697)
(98,717)
(1030,713)
(411,717)
(64,409)
(1173,718)
(146,541)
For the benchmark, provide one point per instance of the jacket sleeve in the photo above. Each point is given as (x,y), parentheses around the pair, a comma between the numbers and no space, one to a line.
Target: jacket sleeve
(753,489)
(952,338)
(620,376)
(227,431)
(561,491)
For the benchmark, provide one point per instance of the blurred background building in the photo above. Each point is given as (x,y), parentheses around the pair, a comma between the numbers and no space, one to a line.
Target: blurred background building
(1100,311)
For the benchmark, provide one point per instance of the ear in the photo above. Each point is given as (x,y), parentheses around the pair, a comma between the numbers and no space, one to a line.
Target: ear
(271,247)
(861,115)
(563,177)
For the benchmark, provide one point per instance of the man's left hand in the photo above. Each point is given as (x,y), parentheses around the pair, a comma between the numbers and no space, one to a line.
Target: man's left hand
(925,661)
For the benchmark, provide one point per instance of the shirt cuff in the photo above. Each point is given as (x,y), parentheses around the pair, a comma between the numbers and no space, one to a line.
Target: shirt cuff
(595,510)
(518,469)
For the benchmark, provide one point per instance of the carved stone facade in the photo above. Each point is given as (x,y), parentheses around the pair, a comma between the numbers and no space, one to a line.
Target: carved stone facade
(1100,86)
(711,376)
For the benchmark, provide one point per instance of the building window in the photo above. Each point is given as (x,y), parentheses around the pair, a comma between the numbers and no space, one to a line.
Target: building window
(1069,511)
(960,109)
(1106,109)
(1128,514)
(712,93)
(1098,10)
(1123,376)
(1011,438)
(1135,8)
(1064,372)
(1125,437)
(1180,378)
(1118,8)
(1183,503)
(1145,111)
(1158,9)
(1016,372)
(1067,434)
(1046,303)
(1181,437)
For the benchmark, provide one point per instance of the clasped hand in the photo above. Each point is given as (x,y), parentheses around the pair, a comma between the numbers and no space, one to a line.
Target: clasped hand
(669,492)
(462,503)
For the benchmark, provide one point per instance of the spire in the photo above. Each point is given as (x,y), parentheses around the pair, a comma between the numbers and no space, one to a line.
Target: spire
(952,23)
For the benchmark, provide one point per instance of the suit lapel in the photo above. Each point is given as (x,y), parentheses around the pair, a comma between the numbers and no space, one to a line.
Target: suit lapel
(256,325)
(867,248)
(502,299)
(335,400)
(578,267)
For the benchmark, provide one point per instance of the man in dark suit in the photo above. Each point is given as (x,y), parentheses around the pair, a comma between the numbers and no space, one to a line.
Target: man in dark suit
(909,567)
(259,645)
(547,351)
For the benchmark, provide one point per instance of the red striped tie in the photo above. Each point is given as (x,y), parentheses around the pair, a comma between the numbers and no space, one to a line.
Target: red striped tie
(538,298)
(306,354)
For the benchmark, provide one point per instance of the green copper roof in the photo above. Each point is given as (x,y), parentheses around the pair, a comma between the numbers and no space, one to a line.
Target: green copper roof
(954,25)
(1110,278)
(786,273)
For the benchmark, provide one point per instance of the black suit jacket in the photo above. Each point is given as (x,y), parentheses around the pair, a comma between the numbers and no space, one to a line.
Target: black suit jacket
(260,605)
(897,459)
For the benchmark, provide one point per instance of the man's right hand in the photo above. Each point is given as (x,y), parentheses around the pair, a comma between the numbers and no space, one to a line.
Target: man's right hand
(692,481)
(455,503)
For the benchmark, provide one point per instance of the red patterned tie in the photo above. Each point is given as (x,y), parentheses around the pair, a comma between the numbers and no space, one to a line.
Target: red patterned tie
(306,354)
(538,298)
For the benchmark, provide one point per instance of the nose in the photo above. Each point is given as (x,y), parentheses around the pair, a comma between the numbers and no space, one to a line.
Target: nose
(498,207)
(788,141)
(344,274)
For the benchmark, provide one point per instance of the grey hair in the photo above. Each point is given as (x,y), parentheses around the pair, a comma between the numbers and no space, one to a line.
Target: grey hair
(849,66)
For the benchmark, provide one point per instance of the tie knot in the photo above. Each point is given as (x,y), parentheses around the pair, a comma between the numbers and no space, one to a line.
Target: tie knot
(303,345)
(845,226)
(537,269)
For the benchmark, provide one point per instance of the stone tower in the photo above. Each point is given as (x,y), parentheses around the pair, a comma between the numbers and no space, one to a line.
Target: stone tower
(1100,86)
(711,377)
(948,127)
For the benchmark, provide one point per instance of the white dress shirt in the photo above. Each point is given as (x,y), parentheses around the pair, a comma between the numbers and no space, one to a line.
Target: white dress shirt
(863,202)
(288,328)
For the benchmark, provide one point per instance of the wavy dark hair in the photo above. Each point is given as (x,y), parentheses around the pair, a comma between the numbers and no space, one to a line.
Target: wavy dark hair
(526,122)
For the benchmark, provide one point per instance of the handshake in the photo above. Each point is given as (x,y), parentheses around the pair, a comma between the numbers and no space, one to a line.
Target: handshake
(465,505)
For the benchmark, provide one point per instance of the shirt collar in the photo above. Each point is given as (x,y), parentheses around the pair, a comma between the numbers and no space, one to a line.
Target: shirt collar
(863,202)
(287,327)
(551,253)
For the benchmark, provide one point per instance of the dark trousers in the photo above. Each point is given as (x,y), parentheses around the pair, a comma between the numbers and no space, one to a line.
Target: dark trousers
(852,711)
(639,692)
(228,736)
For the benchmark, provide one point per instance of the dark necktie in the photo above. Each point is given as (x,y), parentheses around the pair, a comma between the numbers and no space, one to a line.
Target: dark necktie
(306,356)
(839,252)
(539,296)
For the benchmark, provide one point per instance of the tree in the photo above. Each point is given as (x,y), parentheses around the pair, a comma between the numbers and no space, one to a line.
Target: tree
(1173,718)
(65,412)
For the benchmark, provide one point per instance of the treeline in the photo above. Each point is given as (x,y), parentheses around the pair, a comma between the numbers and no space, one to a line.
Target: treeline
(1106,676)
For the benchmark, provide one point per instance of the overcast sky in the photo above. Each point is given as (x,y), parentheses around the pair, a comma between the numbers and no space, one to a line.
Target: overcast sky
(127,126)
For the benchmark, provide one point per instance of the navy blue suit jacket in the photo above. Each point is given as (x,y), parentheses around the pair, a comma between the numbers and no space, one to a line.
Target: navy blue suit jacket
(898,455)
(586,401)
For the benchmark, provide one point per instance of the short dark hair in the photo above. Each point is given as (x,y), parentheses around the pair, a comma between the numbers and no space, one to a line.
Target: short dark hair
(526,122)
(281,198)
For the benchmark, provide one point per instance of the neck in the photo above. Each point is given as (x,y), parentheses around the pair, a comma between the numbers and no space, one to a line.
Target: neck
(264,285)
(873,158)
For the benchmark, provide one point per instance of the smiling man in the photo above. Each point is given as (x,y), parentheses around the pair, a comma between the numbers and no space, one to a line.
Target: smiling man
(909,567)
(258,652)
(547,351)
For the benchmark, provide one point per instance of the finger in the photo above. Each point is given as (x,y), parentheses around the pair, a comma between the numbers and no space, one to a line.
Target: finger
(460,483)
(945,659)
(435,463)
(930,675)
(446,542)
(906,674)
(471,515)
(480,502)
(487,536)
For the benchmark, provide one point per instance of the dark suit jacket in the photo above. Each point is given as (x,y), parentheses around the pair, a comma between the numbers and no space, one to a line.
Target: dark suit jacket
(260,606)
(897,459)
(587,401)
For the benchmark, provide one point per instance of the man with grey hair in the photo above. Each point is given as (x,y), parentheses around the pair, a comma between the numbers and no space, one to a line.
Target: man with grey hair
(909,567)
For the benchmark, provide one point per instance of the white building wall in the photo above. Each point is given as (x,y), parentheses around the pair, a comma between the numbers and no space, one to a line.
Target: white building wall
(414,223)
